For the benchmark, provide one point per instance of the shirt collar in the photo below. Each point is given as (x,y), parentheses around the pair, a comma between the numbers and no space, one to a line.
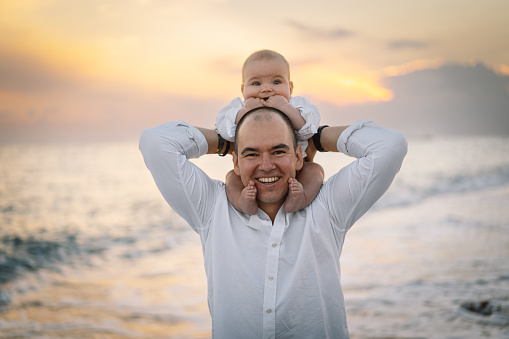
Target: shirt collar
(255,221)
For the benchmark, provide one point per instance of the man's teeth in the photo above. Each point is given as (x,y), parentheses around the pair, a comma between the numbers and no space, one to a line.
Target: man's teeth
(268,180)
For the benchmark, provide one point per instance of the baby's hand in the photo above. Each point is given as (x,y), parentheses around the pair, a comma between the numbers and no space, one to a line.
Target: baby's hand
(249,104)
(252,103)
(275,101)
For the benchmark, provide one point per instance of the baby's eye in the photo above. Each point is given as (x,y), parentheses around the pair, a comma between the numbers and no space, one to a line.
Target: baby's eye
(256,83)
(277,82)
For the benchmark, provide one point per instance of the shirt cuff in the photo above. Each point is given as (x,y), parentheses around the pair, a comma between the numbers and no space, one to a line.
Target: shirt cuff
(342,143)
(200,146)
(309,128)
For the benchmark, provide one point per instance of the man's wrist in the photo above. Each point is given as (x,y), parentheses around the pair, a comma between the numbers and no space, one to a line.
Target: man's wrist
(220,146)
(316,139)
(220,143)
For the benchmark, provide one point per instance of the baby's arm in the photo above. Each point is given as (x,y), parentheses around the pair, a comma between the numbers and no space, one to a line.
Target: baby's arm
(242,198)
(280,102)
(310,114)
(304,189)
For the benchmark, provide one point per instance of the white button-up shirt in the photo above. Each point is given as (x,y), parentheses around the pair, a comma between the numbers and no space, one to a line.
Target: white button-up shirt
(280,280)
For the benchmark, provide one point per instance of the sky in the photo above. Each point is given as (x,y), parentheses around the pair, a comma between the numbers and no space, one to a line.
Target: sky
(107,69)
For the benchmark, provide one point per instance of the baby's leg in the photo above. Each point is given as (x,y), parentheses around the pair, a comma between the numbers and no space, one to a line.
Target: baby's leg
(242,198)
(304,189)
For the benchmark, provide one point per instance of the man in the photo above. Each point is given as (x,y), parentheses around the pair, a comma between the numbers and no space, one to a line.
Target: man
(273,274)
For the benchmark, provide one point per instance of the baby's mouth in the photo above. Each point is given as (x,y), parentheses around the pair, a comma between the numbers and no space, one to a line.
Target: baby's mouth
(268,180)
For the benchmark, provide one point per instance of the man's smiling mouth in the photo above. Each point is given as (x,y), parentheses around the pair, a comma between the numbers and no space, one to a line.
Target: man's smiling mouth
(268,180)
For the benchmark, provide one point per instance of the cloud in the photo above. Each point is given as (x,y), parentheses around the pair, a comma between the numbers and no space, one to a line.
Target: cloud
(315,32)
(412,66)
(407,44)
(454,99)
(23,73)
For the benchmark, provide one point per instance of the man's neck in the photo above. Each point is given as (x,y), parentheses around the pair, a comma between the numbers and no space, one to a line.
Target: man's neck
(271,210)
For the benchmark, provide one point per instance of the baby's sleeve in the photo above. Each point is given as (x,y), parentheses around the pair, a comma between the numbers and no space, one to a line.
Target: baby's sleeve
(310,114)
(225,121)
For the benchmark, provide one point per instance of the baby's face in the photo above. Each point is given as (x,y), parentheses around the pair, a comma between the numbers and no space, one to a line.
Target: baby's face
(265,78)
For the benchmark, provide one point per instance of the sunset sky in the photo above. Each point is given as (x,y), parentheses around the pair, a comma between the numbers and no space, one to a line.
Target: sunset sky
(107,69)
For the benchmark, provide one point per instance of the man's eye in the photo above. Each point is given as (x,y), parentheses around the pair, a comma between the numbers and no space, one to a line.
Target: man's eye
(279,152)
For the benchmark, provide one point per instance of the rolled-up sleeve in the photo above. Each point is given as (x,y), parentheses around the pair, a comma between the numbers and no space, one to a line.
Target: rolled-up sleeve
(225,120)
(187,189)
(310,114)
(355,188)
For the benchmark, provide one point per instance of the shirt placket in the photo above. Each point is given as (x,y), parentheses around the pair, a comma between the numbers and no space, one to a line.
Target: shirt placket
(271,278)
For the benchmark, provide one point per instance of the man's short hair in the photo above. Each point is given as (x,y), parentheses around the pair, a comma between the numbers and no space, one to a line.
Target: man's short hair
(259,114)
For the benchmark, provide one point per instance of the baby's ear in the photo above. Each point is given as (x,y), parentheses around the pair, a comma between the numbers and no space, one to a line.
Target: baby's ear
(291,87)
(242,88)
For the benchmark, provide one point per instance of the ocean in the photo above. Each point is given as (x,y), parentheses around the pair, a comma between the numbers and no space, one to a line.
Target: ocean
(89,248)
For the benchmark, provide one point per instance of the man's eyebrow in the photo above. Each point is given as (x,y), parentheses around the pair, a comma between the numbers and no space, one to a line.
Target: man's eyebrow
(254,149)
(279,146)
(248,149)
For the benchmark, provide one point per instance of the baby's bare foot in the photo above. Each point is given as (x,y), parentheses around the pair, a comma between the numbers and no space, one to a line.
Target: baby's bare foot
(247,199)
(295,199)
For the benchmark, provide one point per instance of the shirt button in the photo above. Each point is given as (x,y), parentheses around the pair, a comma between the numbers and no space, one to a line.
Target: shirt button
(269,310)
(274,245)
(271,277)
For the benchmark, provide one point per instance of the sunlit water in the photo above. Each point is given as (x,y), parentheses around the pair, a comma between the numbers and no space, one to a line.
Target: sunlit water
(89,249)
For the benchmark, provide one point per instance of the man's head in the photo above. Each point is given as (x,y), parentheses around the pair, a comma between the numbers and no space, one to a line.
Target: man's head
(266,153)
(266,73)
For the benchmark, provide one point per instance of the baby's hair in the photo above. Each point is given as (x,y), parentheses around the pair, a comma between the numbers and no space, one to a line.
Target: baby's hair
(265,54)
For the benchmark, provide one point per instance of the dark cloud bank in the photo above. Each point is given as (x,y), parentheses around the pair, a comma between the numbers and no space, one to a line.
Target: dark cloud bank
(454,99)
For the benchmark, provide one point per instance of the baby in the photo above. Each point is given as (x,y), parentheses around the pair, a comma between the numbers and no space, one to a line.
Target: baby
(266,82)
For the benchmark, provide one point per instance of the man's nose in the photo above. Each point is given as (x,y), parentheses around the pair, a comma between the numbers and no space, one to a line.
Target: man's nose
(266,163)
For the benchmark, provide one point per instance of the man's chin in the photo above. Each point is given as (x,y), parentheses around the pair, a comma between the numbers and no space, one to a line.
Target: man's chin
(270,199)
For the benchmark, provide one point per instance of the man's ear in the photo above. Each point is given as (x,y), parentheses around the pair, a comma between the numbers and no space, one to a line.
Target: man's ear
(300,158)
(236,168)
(291,88)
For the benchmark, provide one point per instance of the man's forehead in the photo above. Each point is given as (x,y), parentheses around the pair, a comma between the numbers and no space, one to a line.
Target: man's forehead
(264,133)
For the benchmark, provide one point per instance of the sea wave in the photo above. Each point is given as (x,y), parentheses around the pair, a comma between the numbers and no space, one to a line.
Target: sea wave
(403,194)
(23,253)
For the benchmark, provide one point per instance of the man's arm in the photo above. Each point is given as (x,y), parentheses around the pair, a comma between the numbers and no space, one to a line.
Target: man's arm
(212,139)
(355,188)
(188,190)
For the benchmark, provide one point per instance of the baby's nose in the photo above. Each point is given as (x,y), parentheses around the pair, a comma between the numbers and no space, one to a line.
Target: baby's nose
(266,88)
